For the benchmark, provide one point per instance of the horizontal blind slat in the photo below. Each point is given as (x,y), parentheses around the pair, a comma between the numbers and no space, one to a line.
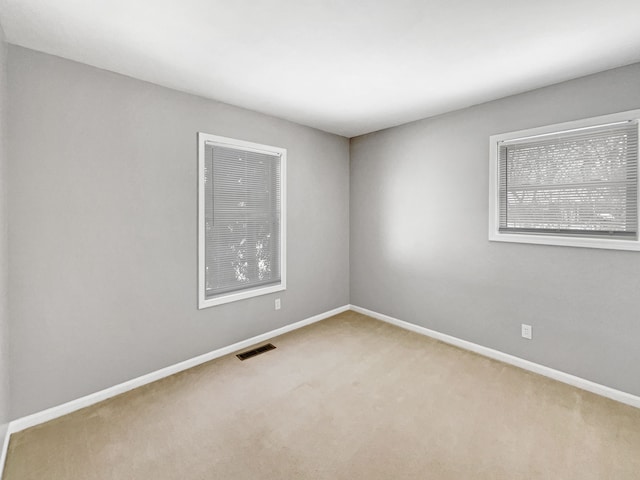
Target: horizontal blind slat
(242,220)
(577,181)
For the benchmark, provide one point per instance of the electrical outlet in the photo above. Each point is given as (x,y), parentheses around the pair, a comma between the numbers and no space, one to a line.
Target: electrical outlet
(277,304)
(526,331)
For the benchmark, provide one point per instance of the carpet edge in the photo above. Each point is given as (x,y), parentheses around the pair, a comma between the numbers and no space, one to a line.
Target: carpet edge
(52,413)
(567,378)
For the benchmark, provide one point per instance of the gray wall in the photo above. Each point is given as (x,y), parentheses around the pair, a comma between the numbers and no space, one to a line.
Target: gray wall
(102,188)
(4,318)
(419,248)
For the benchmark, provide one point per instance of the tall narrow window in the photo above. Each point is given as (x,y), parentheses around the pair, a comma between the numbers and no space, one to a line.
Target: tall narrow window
(241,219)
(571,184)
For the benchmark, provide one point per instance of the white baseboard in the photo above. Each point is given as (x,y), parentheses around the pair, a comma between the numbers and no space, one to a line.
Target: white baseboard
(4,434)
(57,411)
(60,410)
(588,385)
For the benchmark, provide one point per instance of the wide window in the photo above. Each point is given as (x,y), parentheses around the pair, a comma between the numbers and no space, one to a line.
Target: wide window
(241,219)
(573,184)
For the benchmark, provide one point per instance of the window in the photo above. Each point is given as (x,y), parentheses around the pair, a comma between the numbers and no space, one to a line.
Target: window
(241,219)
(573,184)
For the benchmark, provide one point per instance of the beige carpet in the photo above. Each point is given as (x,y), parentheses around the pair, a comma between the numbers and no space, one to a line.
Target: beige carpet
(346,398)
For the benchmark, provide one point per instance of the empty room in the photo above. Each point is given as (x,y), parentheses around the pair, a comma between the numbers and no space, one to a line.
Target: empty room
(319,240)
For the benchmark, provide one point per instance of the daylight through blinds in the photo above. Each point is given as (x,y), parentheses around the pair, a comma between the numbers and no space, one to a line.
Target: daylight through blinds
(242,219)
(575,183)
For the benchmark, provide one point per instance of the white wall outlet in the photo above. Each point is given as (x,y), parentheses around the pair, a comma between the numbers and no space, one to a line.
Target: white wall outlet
(526,331)
(277,304)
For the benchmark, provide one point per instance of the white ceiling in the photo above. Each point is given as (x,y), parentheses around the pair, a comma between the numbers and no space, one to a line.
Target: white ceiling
(344,66)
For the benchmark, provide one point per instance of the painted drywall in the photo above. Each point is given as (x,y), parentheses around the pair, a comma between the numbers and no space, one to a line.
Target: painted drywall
(420,249)
(4,311)
(103,238)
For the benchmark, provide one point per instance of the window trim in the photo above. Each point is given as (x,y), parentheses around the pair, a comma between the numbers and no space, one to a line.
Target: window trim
(203,139)
(546,239)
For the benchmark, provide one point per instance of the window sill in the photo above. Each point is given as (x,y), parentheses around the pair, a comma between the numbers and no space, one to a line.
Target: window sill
(234,297)
(606,243)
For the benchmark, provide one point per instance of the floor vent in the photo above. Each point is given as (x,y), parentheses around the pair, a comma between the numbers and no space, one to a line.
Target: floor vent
(255,351)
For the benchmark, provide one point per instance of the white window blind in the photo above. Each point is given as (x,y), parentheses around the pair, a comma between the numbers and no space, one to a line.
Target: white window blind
(242,220)
(582,182)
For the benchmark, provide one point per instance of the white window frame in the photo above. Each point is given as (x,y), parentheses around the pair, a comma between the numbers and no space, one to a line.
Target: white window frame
(545,239)
(203,139)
